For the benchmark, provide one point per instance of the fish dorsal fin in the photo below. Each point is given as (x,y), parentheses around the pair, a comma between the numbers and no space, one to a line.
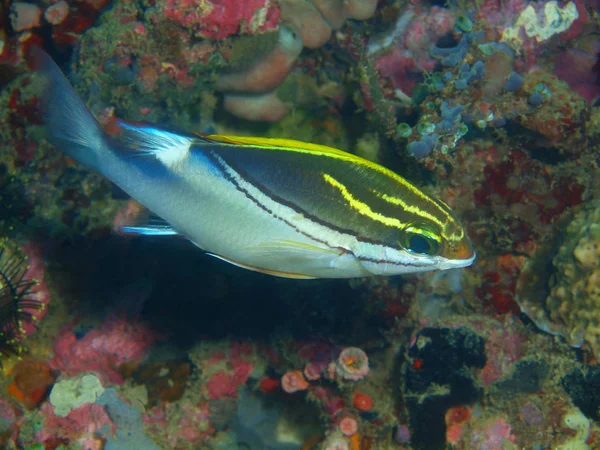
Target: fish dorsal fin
(146,140)
(279,144)
(151,225)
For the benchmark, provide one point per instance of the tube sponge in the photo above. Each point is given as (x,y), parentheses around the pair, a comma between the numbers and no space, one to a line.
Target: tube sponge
(262,107)
(308,20)
(270,71)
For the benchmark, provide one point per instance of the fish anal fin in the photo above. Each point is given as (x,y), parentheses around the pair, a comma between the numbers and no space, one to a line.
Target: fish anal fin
(266,271)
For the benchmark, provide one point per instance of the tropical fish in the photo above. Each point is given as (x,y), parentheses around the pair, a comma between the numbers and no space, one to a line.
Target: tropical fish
(282,207)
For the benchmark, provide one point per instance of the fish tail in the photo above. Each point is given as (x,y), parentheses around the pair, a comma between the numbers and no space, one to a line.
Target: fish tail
(71,126)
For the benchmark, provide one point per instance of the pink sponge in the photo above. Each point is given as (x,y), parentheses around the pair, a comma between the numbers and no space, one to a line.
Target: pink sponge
(103,350)
(81,424)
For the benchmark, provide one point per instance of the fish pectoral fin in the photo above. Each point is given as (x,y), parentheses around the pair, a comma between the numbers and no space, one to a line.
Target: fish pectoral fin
(149,226)
(266,271)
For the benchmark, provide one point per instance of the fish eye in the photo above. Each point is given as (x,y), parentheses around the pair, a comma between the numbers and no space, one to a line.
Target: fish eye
(421,238)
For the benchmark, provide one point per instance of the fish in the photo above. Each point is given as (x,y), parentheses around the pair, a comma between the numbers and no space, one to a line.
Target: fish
(277,206)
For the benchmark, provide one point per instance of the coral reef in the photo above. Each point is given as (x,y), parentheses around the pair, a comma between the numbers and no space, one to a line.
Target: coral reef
(128,343)
(564,299)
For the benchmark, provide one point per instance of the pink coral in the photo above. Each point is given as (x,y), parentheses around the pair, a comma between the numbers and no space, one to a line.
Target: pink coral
(495,436)
(102,350)
(404,62)
(352,364)
(80,423)
(503,348)
(9,415)
(348,426)
(221,19)
(312,371)
(57,12)
(226,370)
(331,403)
(180,424)
(293,381)
(576,67)
(225,384)
(500,13)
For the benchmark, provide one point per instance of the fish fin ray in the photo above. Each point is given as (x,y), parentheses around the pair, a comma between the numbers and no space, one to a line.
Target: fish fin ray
(277,144)
(146,140)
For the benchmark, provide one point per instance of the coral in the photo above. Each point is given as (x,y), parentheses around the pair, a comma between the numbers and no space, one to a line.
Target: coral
(184,424)
(362,402)
(402,56)
(432,92)
(304,24)
(566,301)
(312,371)
(270,71)
(316,19)
(541,24)
(57,12)
(223,384)
(69,394)
(226,371)
(293,381)
(80,423)
(352,364)
(259,101)
(455,417)
(218,20)
(31,383)
(102,350)
(335,443)
(439,374)
(24,16)
(575,65)
(348,426)
(496,435)
(165,381)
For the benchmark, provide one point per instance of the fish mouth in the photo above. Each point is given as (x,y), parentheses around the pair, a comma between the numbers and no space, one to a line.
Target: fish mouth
(457,263)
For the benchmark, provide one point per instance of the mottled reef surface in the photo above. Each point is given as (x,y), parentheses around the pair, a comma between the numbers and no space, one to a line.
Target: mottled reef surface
(109,341)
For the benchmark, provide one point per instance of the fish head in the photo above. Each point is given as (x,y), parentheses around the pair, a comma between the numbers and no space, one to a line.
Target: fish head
(423,244)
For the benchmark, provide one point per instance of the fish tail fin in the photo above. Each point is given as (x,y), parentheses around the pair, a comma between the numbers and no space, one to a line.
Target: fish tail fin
(71,126)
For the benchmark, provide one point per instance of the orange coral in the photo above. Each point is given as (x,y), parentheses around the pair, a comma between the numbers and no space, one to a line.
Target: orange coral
(32,380)
(362,402)
(293,381)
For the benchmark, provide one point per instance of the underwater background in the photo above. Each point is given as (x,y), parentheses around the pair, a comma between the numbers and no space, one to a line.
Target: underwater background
(110,341)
